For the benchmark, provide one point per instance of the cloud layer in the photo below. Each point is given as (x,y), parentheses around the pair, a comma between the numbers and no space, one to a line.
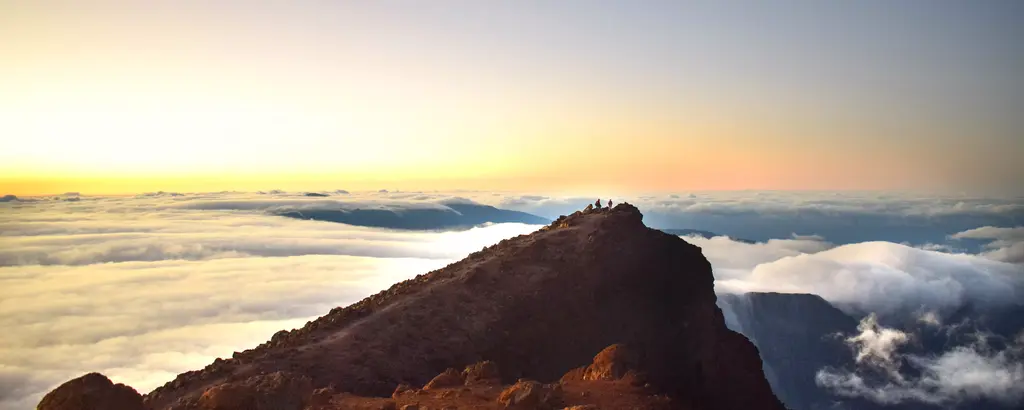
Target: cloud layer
(841,218)
(144,288)
(1003,244)
(874,277)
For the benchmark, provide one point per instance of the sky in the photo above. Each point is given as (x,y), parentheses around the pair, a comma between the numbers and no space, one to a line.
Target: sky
(123,97)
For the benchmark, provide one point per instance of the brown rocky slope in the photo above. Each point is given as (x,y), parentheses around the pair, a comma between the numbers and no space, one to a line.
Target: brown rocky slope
(539,305)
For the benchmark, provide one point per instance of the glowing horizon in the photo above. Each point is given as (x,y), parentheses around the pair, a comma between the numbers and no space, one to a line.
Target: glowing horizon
(112,98)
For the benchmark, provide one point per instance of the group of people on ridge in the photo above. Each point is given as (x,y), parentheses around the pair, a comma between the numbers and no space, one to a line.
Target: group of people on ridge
(598,203)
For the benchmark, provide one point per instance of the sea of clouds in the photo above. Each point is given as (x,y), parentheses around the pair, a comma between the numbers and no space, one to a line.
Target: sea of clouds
(142,288)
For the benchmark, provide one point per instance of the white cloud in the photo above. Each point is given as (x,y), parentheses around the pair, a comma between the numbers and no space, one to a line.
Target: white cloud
(991,232)
(963,373)
(1005,244)
(876,346)
(733,259)
(879,277)
(930,318)
(144,288)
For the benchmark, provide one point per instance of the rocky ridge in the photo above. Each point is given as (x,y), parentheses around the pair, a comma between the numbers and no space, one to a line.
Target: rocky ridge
(539,305)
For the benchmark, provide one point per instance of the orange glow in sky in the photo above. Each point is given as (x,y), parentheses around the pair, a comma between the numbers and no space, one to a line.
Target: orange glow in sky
(118,98)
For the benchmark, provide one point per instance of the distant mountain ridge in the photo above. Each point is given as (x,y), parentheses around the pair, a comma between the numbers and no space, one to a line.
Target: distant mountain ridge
(453,215)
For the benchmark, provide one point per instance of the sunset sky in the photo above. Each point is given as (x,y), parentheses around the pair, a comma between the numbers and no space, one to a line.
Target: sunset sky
(123,97)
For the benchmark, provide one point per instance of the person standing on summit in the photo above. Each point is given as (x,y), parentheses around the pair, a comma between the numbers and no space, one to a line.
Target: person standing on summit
(598,203)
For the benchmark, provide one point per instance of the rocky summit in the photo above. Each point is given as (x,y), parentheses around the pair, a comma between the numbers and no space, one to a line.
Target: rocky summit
(593,311)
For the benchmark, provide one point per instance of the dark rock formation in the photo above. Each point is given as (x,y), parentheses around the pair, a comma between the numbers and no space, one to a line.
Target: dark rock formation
(93,391)
(539,305)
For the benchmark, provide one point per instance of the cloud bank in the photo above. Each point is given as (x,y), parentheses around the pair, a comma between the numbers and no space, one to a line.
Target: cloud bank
(874,277)
(143,288)
(841,218)
(1003,244)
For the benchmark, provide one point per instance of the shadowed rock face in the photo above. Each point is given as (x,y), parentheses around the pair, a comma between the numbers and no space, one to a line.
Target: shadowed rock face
(797,335)
(538,304)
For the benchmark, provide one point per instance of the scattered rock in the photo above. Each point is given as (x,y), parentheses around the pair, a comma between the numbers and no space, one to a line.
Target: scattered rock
(573,375)
(612,363)
(450,378)
(274,391)
(402,389)
(526,394)
(92,391)
(321,396)
(482,373)
(229,396)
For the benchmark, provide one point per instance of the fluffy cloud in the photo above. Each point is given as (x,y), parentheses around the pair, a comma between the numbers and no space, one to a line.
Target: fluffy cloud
(1003,244)
(873,277)
(887,376)
(876,345)
(144,288)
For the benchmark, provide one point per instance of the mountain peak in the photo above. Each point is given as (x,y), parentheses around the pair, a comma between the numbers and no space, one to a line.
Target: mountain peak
(539,305)
(623,214)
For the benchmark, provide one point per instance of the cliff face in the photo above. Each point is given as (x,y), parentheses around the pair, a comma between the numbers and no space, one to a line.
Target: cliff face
(797,335)
(539,305)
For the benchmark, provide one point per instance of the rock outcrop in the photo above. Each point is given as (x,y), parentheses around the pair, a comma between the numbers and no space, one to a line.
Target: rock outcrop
(274,391)
(524,394)
(538,305)
(92,391)
(527,395)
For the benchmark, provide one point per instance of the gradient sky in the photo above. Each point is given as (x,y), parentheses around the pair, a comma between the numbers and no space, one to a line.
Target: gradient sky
(120,97)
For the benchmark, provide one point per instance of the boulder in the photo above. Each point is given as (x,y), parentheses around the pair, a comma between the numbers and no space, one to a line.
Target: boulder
(450,378)
(482,373)
(92,391)
(402,389)
(612,363)
(527,394)
(274,391)
(321,396)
